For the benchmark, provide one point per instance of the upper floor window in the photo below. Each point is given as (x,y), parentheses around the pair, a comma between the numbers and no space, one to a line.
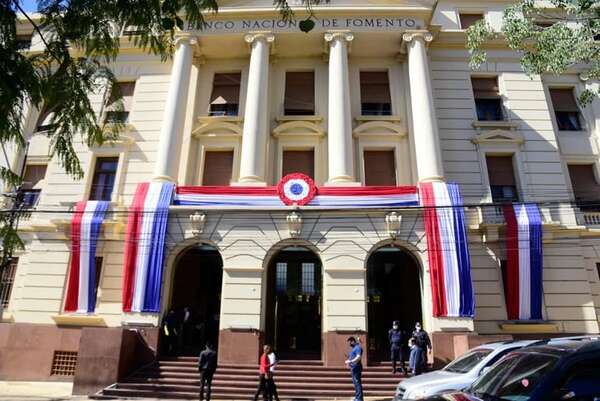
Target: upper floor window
(218,167)
(469,19)
(380,168)
(566,110)
(105,173)
(24,41)
(30,191)
(299,93)
(298,161)
(225,97)
(585,186)
(125,89)
(488,101)
(7,280)
(375,96)
(99,260)
(44,120)
(502,179)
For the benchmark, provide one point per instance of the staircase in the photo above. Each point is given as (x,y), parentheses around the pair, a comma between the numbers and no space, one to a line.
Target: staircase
(296,379)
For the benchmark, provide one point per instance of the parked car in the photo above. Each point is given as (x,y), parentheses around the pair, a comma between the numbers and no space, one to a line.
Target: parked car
(459,373)
(558,370)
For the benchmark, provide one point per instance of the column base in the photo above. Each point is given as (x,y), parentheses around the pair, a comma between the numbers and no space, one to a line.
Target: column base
(342,182)
(163,178)
(435,178)
(249,182)
(239,346)
(335,347)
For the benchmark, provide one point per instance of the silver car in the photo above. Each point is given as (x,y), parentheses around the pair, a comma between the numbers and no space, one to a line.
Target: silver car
(459,373)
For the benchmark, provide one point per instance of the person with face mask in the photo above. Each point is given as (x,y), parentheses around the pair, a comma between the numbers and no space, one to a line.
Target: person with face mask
(355,365)
(422,346)
(396,337)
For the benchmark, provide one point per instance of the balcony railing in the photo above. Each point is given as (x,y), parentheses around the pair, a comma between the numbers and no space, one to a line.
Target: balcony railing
(591,218)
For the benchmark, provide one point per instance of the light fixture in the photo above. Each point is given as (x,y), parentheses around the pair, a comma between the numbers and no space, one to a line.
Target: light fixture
(294,221)
(197,219)
(392,224)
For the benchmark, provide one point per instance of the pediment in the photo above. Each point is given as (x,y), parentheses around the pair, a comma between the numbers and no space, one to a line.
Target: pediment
(218,128)
(379,128)
(304,128)
(499,136)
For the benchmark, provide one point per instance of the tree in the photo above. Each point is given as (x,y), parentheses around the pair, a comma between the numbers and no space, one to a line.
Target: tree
(552,37)
(81,38)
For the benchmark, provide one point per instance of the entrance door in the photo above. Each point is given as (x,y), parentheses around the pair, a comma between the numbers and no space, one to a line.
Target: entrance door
(196,298)
(294,304)
(394,293)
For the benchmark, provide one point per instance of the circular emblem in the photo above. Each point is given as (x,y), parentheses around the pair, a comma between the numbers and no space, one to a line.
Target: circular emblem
(296,188)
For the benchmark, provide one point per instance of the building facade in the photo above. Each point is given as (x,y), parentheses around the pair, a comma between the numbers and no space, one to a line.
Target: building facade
(378,94)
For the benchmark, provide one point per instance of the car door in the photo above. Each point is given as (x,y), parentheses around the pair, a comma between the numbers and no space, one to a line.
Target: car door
(580,381)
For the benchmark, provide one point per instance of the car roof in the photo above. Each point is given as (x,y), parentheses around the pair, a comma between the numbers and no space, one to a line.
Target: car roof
(506,344)
(565,345)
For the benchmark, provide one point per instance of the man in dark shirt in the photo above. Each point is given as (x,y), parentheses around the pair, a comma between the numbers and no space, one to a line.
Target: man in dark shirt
(207,365)
(396,337)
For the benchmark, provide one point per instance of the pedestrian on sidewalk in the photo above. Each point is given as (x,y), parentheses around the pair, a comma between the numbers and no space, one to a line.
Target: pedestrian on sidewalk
(397,340)
(355,364)
(207,365)
(264,370)
(270,380)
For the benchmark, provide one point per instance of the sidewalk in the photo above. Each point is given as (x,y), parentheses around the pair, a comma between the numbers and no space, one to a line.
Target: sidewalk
(61,391)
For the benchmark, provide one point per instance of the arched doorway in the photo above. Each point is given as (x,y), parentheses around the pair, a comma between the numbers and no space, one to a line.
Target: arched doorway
(394,293)
(196,298)
(293,303)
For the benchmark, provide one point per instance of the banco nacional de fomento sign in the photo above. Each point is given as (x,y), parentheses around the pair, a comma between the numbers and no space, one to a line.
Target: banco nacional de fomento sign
(277,25)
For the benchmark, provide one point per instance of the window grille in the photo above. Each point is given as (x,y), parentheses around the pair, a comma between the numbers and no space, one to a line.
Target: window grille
(281,277)
(8,278)
(64,363)
(308,278)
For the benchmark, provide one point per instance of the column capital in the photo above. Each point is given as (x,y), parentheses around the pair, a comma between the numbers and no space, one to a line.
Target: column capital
(409,36)
(346,36)
(251,37)
(185,38)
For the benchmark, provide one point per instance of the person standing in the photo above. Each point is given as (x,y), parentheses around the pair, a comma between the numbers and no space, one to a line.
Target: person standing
(169,332)
(264,369)
(207,365)
(270,379)
(396,337)
(422,347)
(354,362)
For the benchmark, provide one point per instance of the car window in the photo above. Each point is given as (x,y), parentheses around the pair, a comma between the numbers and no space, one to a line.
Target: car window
(499,355)
(468,361)
(515,377)
(583,379)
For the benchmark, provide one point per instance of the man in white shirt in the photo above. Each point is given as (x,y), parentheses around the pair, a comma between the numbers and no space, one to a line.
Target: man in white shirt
(272,388)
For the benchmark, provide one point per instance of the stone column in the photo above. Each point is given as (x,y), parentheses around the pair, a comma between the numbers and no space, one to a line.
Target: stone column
(171,133)
(339,130)
(254,136)
(425,129)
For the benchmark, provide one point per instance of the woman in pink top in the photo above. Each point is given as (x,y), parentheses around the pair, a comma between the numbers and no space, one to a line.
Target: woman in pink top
(265,373)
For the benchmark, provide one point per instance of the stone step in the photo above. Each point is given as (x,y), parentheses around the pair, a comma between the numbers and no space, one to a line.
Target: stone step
(373,384)
(279,373)
(283,379)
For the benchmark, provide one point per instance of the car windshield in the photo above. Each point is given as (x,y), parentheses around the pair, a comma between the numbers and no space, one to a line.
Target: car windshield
(513,378)
(466,362)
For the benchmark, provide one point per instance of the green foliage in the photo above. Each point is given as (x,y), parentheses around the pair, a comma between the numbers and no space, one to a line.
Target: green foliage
(550,40)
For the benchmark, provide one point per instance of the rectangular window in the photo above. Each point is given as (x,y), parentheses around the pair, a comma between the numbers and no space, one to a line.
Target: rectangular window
(44,120)
(299,94)
(8,279)
(566,110)
(281,277)
(487,99)
(24,42)
(114,114)
(308,278)
(380,168)
(99,260)
(225,97)
(502,179)
(30,190)
(218,166)
(598,270)
(585,187)
(298,161)
(103,182)
(469,19)
(375,93)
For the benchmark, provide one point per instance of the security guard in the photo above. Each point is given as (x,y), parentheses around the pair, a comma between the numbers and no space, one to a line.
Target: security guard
(396,337)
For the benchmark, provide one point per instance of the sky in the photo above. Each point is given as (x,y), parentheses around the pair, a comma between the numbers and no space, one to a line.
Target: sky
(29,5)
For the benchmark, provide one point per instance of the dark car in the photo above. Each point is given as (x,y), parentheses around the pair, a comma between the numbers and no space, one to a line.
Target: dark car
(557,370)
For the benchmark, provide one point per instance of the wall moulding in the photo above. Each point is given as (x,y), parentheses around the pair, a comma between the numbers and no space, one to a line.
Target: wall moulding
(298,128)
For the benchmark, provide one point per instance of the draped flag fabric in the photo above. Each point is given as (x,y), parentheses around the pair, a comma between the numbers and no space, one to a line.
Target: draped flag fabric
(524,262)
(448,250)
(334,197)
(145,245)
(85,229)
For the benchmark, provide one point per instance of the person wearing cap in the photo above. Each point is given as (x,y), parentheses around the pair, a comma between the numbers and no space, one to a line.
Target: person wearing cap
(355,365)
(422,345)
(396,337)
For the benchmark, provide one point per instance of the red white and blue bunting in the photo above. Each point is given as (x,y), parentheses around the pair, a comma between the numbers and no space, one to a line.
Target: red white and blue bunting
(448,250)
(145,246)
(85,230)
(524,264)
